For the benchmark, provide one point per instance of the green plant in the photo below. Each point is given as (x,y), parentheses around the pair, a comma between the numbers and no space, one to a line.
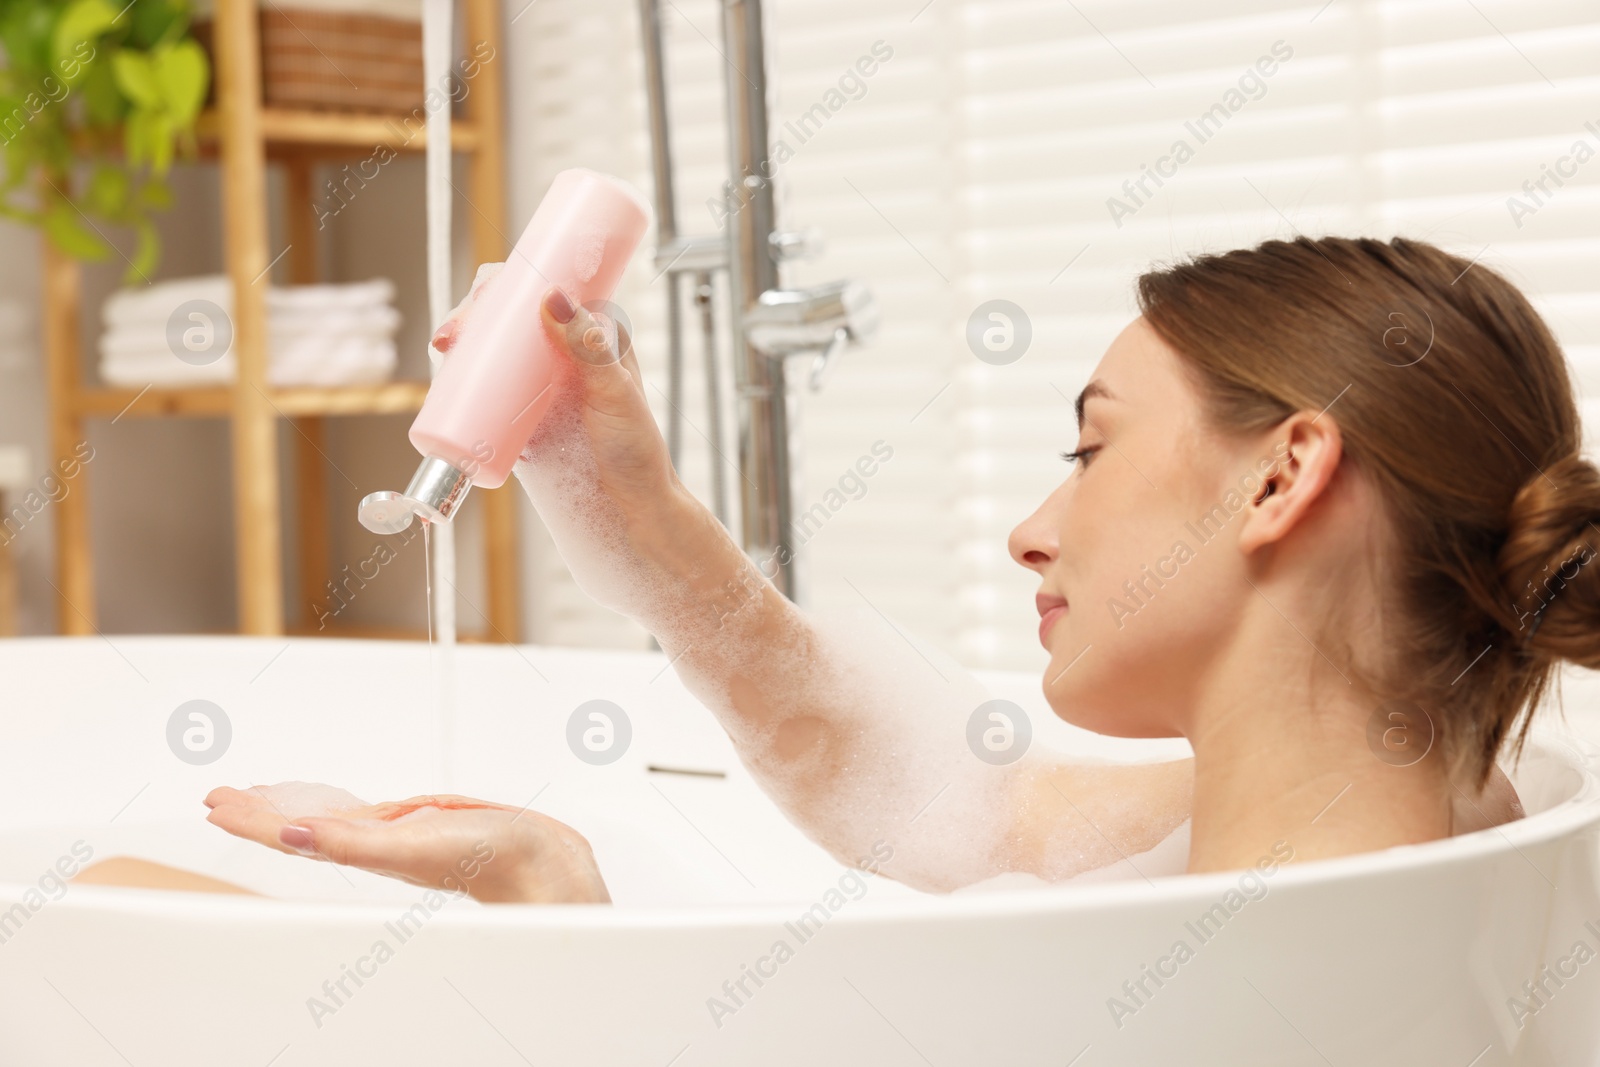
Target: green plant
(94,104)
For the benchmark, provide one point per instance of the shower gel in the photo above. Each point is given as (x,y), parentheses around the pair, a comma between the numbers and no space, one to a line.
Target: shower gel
(490,395)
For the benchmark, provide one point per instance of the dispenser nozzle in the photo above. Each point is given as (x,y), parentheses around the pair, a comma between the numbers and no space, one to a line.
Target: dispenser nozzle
(435,492)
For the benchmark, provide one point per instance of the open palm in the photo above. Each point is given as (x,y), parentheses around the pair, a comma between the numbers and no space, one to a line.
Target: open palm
(497,853)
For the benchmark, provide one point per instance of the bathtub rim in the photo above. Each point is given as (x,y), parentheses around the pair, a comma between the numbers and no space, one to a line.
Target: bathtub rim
(1568,818)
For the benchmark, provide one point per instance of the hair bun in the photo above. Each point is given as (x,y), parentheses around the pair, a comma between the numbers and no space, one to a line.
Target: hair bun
(1546,564)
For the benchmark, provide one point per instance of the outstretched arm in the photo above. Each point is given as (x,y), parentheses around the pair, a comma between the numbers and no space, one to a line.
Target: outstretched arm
(857,733)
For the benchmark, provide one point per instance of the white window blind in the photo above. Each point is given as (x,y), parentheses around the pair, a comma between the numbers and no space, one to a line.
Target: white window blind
(987,158)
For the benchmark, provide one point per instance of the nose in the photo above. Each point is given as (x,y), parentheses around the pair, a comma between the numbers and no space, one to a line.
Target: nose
(1035,543)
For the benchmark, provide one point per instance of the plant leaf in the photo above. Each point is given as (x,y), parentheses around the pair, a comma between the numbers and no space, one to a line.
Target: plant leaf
(157,20)
(145,256)
(108,191)
(65,227)
(83,21)
(27,34)
(102,100)
(137,145)
(161,137)
(183,73)
(136,77)
(153,196)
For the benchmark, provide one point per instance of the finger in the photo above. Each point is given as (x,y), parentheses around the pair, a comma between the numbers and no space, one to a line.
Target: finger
(258,824)
(374,846)
(224,794)
(630,361)
(445,337)
(596,356)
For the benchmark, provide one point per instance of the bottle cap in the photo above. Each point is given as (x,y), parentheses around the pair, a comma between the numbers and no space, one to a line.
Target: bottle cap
(435,492)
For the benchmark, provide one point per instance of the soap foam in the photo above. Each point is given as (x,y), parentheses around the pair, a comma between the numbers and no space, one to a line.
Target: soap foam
(846,699)
(306,800)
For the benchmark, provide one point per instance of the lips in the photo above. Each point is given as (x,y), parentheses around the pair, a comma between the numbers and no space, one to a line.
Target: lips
(1050,608)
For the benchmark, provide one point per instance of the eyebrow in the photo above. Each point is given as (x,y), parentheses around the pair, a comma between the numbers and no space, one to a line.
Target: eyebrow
(1093,389)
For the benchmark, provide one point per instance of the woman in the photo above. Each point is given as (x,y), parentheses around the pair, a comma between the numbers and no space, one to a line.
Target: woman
(1323,491)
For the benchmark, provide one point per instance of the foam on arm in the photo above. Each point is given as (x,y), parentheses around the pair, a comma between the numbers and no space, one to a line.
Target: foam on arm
(856,730)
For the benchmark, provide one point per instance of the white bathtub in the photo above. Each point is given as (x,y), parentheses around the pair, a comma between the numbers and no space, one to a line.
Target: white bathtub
(1402,957)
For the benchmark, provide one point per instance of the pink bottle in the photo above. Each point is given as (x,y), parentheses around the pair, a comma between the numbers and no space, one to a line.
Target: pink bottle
(497,383)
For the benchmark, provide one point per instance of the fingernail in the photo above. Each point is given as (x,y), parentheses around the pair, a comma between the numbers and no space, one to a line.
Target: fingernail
(560,307)
(298,838)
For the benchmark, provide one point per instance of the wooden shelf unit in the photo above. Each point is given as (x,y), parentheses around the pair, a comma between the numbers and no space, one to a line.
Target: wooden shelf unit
(242,136)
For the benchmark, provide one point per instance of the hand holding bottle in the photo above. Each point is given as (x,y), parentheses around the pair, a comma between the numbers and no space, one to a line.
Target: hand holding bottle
(597,467)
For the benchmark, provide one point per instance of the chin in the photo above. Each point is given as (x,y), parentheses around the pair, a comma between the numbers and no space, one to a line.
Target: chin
(1102,709)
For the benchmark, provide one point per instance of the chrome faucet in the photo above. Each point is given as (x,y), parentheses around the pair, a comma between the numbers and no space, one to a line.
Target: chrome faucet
(822,319)
(770,323)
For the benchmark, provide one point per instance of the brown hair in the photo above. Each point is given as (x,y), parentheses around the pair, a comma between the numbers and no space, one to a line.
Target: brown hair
(1453,399)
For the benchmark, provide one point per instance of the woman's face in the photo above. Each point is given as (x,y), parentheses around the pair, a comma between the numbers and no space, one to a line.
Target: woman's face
(1141,577)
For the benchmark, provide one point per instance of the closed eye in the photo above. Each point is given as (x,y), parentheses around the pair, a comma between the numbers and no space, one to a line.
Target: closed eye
(1082,455)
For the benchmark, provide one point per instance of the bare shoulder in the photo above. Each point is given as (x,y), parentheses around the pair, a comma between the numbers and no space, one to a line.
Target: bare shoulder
(1498,803)
(1074,817)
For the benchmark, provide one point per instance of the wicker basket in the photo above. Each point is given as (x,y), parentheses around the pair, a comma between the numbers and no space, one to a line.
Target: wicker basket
(339,61)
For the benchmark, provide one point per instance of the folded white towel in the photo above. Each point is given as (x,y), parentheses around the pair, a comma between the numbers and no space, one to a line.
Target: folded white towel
(324,335)
(378,292)
(353,361)
(376,324)
(155,304)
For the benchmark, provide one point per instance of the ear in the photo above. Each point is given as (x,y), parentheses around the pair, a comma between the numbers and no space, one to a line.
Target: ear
(1306,450)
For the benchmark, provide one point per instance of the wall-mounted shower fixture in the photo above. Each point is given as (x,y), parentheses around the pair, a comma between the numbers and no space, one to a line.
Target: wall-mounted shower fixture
(769,323)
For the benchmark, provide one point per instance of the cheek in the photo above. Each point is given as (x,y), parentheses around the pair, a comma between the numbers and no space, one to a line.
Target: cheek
(1148,597)
(1146,652)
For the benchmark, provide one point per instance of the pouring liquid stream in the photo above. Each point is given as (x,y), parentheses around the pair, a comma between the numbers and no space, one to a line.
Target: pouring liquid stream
(427,581)
(436,711)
